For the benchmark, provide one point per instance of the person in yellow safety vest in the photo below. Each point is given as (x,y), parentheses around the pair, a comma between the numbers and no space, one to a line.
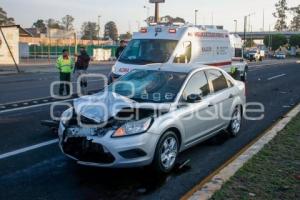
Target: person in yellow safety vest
(65,65)
(234,72)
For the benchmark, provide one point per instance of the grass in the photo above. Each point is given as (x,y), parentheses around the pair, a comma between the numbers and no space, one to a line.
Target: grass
(274,173)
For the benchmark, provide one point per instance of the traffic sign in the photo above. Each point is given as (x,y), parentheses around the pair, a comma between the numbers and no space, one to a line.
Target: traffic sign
(156,1)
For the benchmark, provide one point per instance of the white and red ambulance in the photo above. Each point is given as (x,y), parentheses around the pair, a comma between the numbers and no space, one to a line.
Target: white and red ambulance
(182,44)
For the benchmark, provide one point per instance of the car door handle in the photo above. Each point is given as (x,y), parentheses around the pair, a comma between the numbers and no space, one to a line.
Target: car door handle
(230,96)
(210,105)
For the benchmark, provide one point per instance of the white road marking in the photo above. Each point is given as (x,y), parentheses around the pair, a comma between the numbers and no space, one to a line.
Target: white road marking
(23,150)
(267,65)
(274,77)
(33,106)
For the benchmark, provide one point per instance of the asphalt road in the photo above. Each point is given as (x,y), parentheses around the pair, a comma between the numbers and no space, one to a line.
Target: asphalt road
(27,86)
(44,173)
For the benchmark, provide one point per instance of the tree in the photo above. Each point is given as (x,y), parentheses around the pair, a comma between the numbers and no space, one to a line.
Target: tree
(67,22)
(40,26)
(89,31)
(280,14)
(178,19)
(295,23)
(249,43)
(111,31)
(52,23)
(126,36)
(166,19)
(295,40)
(150,19)
(276,41)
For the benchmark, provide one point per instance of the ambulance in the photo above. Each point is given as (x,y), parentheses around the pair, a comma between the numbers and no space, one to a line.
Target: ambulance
(182,44)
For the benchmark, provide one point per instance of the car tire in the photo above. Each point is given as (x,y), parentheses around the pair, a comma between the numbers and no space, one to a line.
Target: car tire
(235,122)
(168,144)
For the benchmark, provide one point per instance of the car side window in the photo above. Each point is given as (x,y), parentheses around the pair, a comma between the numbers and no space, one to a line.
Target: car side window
(217,79)
(197,84)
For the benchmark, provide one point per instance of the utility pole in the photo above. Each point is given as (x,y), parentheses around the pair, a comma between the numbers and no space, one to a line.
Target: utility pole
(99,16)
(235,26)
(148,13)
(249,16)
(75,42)
(49,44)
(245,29)
(196,11)
(263,25)
(270,38)
(138,25)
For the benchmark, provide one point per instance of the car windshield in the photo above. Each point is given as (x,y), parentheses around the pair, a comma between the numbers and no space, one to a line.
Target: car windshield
(149,85)
(147,51)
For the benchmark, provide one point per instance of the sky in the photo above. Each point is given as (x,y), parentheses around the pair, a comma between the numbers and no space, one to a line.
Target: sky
(129,14)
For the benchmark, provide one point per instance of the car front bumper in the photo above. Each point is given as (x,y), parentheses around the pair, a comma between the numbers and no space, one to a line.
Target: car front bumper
(105,151)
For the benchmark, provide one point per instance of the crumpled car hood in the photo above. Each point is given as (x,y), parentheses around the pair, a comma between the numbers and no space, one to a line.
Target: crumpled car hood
(102,106)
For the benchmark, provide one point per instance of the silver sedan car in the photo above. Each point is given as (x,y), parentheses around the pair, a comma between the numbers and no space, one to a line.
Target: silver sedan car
(149,116)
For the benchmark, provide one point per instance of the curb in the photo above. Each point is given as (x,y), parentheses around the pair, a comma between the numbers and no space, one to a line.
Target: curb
(206,188)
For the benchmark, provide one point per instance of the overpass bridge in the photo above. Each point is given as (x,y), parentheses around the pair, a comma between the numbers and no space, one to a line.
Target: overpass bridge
(261,35)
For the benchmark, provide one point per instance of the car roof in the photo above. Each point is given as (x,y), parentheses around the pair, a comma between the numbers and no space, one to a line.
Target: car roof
(184,68)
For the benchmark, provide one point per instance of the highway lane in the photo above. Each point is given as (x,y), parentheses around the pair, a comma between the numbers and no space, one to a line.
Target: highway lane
(29,86)
(46,173)
(21,87)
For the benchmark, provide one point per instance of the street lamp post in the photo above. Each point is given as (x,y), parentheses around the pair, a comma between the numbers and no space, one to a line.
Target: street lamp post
(196,12)
(235,26)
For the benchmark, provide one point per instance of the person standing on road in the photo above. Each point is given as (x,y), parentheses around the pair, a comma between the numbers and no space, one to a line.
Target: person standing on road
(81,66)
(120,48)
(65,65)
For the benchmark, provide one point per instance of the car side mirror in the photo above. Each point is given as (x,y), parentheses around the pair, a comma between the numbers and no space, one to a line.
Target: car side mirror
(194,98)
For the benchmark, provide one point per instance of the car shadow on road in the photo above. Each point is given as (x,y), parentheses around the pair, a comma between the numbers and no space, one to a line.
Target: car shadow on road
(133,182)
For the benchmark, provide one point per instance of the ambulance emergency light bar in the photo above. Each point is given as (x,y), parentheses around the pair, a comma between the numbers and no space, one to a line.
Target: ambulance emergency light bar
(157,29)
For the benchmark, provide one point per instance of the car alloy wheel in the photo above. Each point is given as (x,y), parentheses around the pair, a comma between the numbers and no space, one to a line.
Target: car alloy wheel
(235,124)
(166,152)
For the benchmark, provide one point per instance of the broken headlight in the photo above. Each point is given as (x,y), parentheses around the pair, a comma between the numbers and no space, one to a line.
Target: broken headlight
(66,116)
(133,127)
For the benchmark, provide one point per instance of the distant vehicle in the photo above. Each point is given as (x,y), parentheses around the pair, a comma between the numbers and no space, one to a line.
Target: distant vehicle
(254,55)
(182,44)
(164,111)
(280,55)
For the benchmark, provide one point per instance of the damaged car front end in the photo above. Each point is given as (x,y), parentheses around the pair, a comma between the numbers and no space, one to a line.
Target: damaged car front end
(115,143)
(112,128)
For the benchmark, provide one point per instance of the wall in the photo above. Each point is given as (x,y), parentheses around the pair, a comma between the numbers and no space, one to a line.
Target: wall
(12,36)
